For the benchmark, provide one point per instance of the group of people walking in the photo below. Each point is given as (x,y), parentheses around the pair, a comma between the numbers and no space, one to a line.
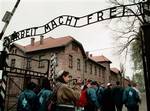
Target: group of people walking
(89,96)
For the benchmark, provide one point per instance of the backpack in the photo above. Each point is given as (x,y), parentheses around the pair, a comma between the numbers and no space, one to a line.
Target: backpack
(25,105)
(43,97)
(99,93)
(132,97)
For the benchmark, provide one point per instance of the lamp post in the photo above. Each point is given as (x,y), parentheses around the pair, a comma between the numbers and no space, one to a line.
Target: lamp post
(3,85)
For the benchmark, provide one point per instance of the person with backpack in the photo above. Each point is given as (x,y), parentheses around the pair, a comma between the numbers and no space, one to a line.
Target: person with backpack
(66,96)
(118,95)
(99,93)
(107,100)
(93,104)
(131,99)
(27,100)
(44,95)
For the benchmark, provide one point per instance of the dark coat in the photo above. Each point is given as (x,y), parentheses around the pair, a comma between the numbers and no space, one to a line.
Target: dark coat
(107,100)
(118,95)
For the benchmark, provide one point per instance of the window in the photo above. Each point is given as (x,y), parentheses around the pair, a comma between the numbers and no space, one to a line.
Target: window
(13,62)
(23,66)
(85,70)
(95,70)
(28,64)
(15,51)
(99,72)
(74,47)
(70,61)
(91,68)
(78,64)
(41,63)
(103,76)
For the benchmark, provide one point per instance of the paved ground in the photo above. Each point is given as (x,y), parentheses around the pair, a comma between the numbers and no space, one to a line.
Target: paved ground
(142,105)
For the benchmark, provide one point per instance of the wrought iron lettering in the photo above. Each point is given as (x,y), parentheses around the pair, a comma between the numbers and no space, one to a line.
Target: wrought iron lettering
(72,21)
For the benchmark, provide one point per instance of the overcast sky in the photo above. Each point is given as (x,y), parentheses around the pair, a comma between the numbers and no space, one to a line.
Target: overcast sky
(96,38)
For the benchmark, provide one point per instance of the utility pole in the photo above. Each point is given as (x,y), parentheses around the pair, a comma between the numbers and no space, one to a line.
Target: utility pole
(146,50)
(3,74)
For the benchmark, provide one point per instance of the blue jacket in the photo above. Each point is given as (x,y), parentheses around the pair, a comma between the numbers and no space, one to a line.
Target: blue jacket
(130,97)
(27,101)
(43,97)
(91,93)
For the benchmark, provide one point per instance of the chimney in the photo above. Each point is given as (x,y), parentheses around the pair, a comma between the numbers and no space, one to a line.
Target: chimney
(91,55)
(87,54)
(41,39)
(32,41)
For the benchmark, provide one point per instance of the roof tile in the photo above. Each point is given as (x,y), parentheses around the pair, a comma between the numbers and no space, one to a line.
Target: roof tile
(115,70)
(100,59)
(47,43)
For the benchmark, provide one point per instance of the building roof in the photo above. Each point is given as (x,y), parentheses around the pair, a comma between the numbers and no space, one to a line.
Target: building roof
(95,62)
(100,59)
(115,70)
(47,44)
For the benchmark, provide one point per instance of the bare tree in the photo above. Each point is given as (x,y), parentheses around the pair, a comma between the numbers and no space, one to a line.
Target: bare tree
(127,29)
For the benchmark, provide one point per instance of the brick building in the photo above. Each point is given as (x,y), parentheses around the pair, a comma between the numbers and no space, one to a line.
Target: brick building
(70,56)
(115,76)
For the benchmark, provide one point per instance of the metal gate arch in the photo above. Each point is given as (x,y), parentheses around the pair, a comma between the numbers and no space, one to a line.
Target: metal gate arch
(144,10)
(18,75)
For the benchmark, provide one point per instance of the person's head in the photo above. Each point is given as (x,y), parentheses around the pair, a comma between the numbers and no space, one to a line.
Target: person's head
(45,83)
(117,83)
(94,84)
(63,76)
(129,84)
(109,85)
(88,83)
(31,85)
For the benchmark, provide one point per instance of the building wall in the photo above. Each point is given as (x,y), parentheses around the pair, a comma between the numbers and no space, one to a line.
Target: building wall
(73,49)
(115,77)
(107,74)
(94,71)
(63,63)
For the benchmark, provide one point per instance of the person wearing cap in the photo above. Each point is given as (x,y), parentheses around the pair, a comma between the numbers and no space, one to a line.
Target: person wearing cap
(107,101)
(66,97)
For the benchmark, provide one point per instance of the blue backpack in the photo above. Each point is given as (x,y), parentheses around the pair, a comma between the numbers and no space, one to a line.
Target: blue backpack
(132,97)
(25,105)
(99,94)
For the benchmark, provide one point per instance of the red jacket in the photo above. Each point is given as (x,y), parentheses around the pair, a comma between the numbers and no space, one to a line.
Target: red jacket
(83,101)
